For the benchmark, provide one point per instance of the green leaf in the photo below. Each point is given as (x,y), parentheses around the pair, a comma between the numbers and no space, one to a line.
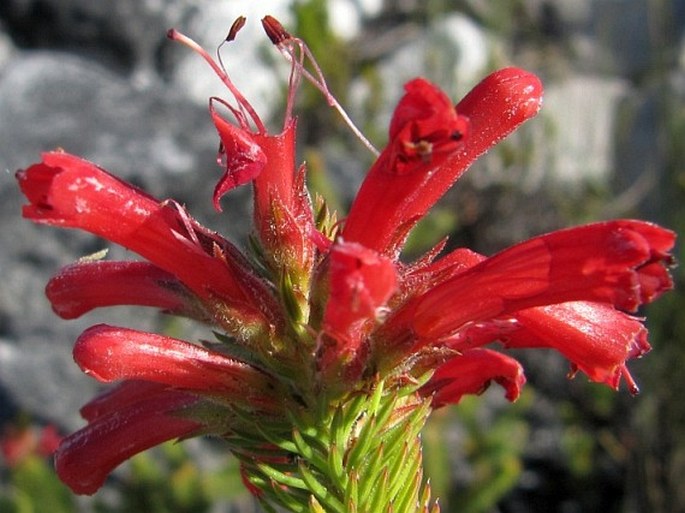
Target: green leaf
(319,490)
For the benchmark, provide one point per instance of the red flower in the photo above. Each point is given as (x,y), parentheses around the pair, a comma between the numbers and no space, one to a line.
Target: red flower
(315,316)
(576,278)
(136,416)
(119,283)
(601,262)
(361,283)
(282,210)
(110,354)
(431,144)
(64,190)
(165,384)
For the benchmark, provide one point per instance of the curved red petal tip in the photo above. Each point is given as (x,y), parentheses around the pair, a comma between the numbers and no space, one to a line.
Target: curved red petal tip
(471,373)
(519,92)
(509,95)
(243,157)
(275,30)
(523,86)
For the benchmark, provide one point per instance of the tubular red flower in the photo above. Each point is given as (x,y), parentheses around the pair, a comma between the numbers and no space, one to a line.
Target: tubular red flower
(282,209)
(109,354)
(409,176)
(80,287)
(67,191)
(600,262)
(361,282)
(471,373)
(85,458)
(278,176)
(597,339)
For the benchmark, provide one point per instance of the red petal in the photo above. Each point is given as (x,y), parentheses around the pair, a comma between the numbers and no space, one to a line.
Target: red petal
(497,106)
(471,373)
(361,282)
(278,176)
(122,396)
(282,209)
(109,354)
(596,338)
(83,286)
(244,157)
(85,458)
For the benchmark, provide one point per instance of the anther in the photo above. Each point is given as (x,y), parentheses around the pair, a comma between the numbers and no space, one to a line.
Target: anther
(235,28)
(275,30)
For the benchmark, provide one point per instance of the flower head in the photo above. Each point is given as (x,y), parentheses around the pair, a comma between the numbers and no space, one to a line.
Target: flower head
(324,332)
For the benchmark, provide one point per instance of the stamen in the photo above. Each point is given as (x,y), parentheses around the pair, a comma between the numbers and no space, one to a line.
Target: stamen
(289,47)
(220,70)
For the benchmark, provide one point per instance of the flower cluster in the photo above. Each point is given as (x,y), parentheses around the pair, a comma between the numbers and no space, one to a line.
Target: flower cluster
(330,350)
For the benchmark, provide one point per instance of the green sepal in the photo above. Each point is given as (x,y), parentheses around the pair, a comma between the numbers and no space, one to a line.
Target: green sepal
(294,305)
(352,491)
(319,490)
(315,506)
(232,348)
(306,451)
(371,473)
(381,495)
(281,477)
(335,463)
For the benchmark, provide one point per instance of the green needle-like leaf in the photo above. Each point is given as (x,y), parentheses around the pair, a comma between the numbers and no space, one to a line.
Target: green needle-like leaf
(319,490)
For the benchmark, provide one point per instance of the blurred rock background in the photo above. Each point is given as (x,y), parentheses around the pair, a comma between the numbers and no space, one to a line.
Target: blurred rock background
(99,79)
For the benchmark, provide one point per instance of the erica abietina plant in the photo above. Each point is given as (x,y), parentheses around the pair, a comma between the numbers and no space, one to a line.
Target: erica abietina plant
(330,352)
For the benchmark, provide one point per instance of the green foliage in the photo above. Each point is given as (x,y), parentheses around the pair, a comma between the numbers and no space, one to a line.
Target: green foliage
(167,480)
(34,488)
(490,446)
(340,458)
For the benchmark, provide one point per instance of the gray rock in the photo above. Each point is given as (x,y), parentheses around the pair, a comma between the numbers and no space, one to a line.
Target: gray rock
(582,114)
